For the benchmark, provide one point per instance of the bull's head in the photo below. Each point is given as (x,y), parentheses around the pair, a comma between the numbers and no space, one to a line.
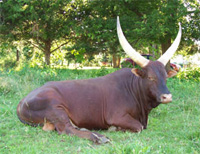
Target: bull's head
(153,73)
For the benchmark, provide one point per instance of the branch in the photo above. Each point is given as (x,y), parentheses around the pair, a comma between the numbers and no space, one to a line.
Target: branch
(36,39)
(59,46)
(40,45)
(36,46)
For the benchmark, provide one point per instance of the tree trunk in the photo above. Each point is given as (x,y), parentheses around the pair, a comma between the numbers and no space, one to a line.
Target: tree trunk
(154,49)
(17,55)
(116,61)
(165,46)
(47,52)
(47,57)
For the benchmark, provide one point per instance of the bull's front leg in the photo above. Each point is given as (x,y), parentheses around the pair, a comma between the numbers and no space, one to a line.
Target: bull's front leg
(127,122)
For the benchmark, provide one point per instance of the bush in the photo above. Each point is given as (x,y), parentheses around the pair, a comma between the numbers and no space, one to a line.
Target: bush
(126,64)
(190,74)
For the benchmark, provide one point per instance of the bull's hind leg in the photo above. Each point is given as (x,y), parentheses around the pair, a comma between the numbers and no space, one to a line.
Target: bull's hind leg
(47,112)
(63,124)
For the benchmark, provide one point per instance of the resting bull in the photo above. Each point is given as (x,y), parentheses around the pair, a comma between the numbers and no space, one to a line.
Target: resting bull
(122,99)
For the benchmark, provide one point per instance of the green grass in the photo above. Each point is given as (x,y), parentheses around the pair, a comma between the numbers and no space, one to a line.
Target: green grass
(172,128)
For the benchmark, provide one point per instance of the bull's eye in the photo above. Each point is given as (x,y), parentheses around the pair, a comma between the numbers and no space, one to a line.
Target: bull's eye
(151,78)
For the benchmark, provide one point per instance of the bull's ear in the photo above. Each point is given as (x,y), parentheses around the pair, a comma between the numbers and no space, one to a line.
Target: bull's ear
(138,72)
(171,73)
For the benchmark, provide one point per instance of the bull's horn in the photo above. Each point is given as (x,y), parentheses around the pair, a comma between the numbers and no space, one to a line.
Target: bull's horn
(172,49)
(132,53)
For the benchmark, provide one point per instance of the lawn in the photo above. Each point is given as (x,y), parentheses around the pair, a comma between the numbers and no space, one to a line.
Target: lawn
(172,128)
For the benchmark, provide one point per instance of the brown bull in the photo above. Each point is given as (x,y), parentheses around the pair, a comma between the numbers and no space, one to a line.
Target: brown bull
(122,99)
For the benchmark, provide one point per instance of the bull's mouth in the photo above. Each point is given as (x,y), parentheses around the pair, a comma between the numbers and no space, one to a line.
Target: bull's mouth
(166,102)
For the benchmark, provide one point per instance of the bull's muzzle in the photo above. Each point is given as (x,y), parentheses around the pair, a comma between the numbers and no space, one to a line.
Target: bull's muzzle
(166,98)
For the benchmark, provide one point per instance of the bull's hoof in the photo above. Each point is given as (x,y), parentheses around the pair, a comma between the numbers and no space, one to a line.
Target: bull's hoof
(140,130)
(99,139)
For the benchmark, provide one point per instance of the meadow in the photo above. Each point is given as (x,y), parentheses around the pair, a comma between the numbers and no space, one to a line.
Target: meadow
(173,128)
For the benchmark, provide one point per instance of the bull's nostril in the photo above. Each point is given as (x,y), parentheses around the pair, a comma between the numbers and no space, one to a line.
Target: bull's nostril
(163,97)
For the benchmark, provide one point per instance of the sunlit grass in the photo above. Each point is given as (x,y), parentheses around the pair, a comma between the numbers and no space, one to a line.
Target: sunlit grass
(172,128)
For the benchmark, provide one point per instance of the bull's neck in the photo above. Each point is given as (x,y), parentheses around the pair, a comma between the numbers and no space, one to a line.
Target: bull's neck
(140,92)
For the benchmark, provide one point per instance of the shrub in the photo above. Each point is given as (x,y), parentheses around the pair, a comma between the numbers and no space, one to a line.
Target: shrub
(101,72)
(190,74)
(126,64)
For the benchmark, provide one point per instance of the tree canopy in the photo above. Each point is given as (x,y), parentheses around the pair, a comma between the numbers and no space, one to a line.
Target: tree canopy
(43,24)
(90,26)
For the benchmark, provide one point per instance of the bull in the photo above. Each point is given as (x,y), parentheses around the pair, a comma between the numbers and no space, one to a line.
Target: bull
(122,99)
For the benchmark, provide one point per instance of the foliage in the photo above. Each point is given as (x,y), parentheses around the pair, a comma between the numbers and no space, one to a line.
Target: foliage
(172,128)
(77,56)
(192,31)
(43,24)
(7,56)
(126,64)
(27,52)
(90,26)
(137,20)
(190,74)
(101,72)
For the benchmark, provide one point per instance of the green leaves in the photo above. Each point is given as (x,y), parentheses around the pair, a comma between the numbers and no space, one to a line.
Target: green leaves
(190,74)
(91,25)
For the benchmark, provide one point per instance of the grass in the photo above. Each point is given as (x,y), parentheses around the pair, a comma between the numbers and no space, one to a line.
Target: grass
(173,128)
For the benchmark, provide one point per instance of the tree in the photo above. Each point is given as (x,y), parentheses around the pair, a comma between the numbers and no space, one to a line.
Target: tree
(44,24)
(90,26)
(144,23)
(99,25)
(192,24)
(97,32)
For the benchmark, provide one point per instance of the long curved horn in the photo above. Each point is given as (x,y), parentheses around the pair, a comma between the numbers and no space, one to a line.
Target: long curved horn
(172,49)
(132,53)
